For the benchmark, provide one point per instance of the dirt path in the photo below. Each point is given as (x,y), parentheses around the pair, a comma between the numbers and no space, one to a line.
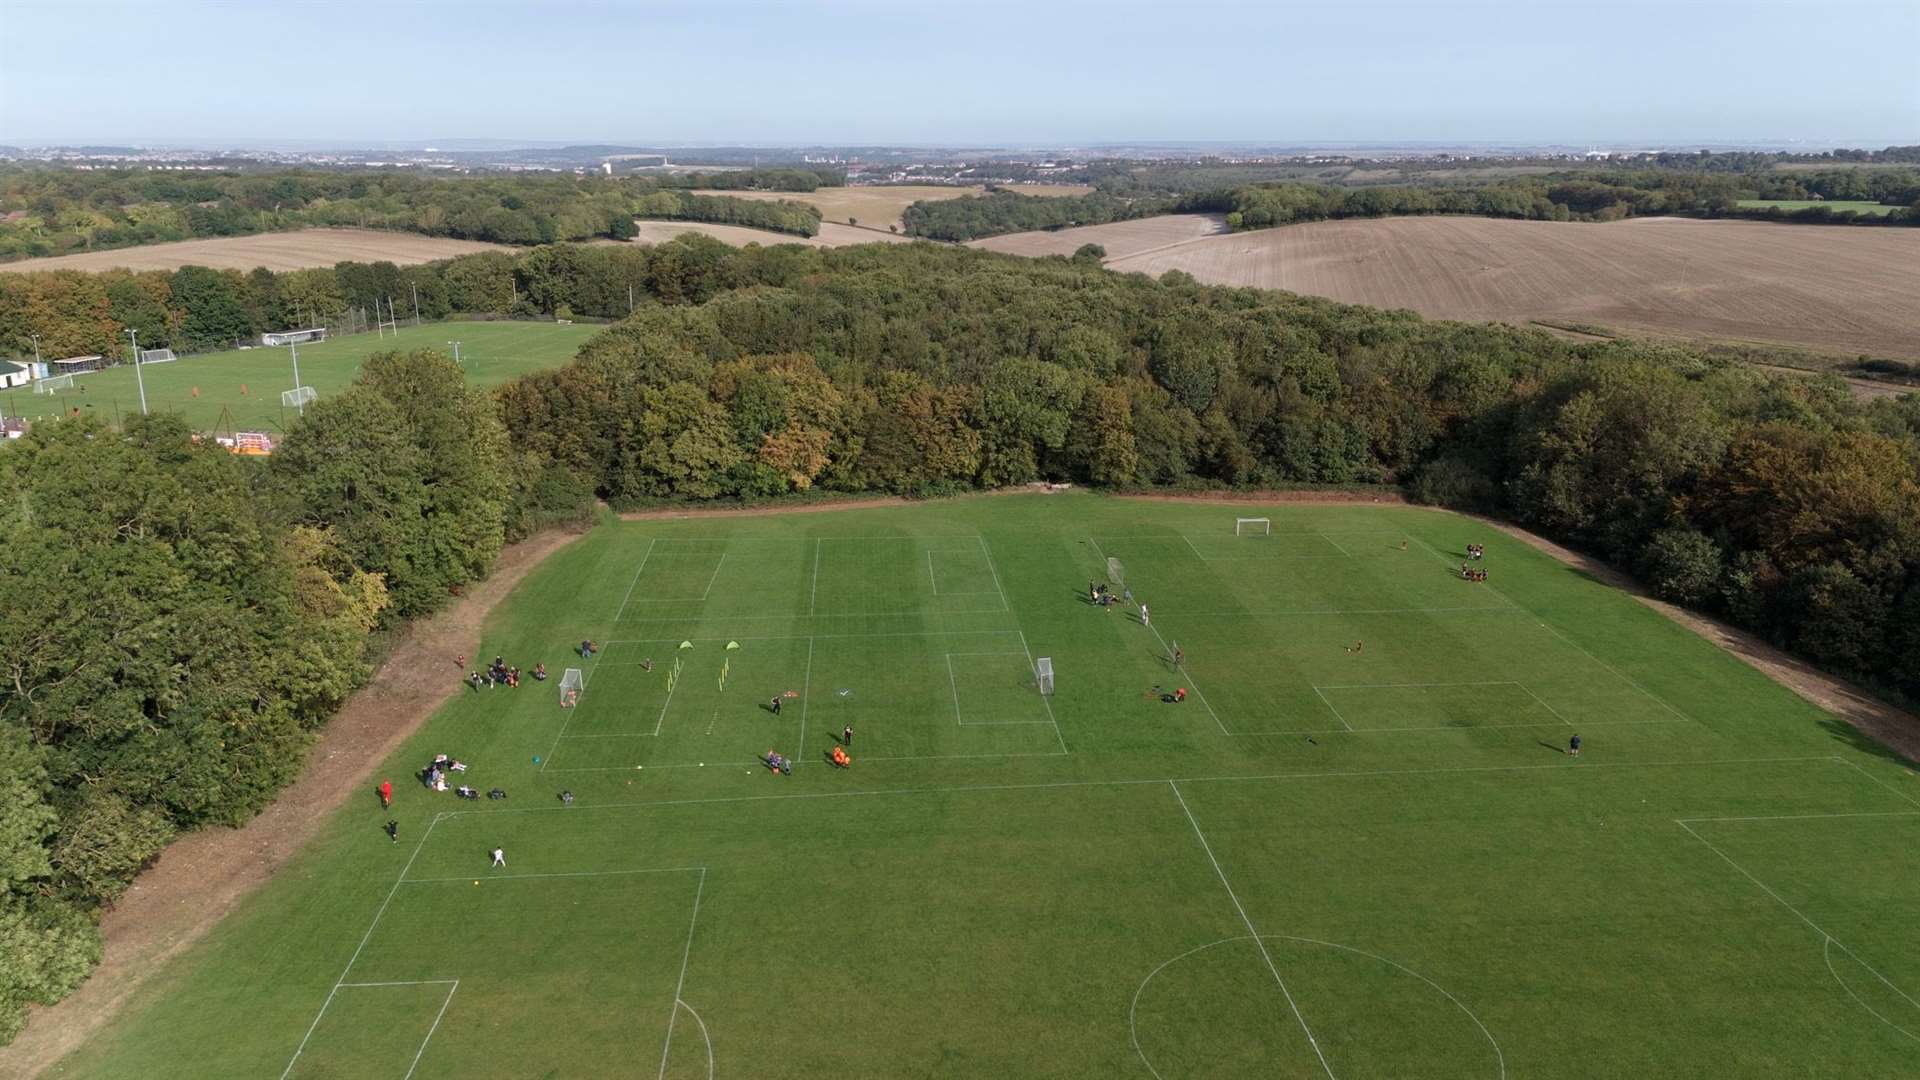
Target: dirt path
(201,876)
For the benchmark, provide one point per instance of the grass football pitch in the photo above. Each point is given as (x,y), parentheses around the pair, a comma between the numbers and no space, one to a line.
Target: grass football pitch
(1356,849)
(246,383)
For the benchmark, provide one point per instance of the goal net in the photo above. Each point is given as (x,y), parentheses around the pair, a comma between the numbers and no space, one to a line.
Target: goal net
(298,397)
(294,337)
(1043,675)
(1116,573)
(52,384)
(156,356)
(571,684)
(1252,526)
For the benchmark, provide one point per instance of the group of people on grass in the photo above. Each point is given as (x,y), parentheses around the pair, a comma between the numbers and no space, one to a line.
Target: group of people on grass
(1475,552)
(434,776)
(500,673)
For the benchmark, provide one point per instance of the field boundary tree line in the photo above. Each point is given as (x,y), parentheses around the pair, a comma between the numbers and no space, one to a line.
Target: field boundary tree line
(180,620)
(53,211)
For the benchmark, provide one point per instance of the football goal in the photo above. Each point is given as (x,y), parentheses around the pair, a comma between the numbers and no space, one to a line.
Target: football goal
(298,397)
(157,356)
(1043,675)
(571,683)
(294,337)
(53,384)
(1252,526)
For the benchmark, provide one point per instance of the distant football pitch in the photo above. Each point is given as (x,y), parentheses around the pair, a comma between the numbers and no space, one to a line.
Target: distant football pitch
(1355,847)
(240,389)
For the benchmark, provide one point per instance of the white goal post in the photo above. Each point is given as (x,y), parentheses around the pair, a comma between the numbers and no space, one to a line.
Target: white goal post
(1116,573)
(571,683)
(1247,526)
(156,356)
(1043,675)
(53,383)
(298,397)
(294,337)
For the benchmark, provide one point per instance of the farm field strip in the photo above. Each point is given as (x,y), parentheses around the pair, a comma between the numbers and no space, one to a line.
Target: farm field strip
(295,250)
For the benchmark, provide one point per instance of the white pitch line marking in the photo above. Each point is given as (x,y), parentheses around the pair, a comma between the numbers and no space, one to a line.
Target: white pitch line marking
(1330,706)
(708,1039)
(1252,929)
(681,985)
(437,1017)
(813,593)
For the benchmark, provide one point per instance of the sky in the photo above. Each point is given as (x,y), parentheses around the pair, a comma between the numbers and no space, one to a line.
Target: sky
(958,73)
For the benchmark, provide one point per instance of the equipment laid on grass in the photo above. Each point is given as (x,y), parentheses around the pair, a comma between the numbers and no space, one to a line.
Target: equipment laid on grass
(294,337)
(1246,526)
(157,356)
(674,675)
(1116,573)
(571,683)
(297,397)
(725,666)
(53,383)
(1043,675)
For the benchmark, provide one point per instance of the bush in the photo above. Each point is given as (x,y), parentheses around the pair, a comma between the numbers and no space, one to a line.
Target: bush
(1681,564)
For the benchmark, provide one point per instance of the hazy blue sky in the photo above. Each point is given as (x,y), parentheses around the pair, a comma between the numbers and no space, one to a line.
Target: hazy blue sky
(959,71)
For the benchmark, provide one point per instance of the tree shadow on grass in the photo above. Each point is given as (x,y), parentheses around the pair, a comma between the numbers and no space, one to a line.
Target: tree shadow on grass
(1858,740)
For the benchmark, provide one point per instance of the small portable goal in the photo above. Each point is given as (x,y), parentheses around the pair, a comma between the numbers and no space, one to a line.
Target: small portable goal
(571,683)
(53,384)
(1252,527)
(157,356)
(298,397)
(1043,675)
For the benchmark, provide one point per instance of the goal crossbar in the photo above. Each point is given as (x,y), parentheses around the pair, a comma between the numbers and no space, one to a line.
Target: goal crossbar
(1244,526)
(298,397)
(156,356)
(52,383)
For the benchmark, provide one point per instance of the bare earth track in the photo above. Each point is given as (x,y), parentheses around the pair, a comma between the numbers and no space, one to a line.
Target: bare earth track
(1122,239)
(1838,288)
(201,876)
(295,250)
(878,207)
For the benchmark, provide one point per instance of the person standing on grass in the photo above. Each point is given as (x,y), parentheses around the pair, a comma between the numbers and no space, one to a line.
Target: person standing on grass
(393,830)
(1573,746)
(1144,621)
(499,856)
(775,705)
(846,735)
(386,794)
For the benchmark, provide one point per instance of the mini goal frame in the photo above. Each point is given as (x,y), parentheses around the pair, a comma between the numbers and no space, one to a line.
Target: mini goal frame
(1043,675)
(157,356)
(298,397)
(1246,526)
(53,384)
(571,683)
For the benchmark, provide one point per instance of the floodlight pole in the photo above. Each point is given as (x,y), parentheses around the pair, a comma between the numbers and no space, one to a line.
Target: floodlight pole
(137,377)
(293,347)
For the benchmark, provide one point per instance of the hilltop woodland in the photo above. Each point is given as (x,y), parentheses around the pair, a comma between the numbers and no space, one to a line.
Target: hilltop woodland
(179,621)
(1583,195)
(49,211)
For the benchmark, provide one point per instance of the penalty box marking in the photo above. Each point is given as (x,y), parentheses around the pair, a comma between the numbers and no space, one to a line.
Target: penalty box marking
(954,685)
(452,985)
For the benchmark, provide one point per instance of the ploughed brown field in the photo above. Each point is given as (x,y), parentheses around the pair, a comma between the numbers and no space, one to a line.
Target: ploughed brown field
(1836,288)
(1122,239)
(831,235)
(295,250)
(879,207)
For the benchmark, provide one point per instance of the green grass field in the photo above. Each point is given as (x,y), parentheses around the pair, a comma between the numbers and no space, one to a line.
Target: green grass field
(1836,205)
(1325,862)
(247,382)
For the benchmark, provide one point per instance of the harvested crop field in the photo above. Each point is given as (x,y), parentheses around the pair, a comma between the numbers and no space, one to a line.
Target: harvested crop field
(831,235)
(1122,239)
(1836,288)
(879,207)
(295,250)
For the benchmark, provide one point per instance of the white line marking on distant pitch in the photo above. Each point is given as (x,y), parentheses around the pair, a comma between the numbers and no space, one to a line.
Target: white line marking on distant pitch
(1330,706)
(703,1034)
(1167,651)
(806,695)
(704,593)
(1195,550)
(1044,699)
(636,580)
(1335,543)
(1863,772)
(813,594)
(558,874)
(437,1017)
(1252,929)
(987,553)
(685,953)
(1826,952)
